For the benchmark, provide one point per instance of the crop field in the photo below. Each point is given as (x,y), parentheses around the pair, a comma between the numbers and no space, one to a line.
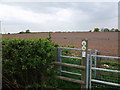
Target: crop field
(105,42)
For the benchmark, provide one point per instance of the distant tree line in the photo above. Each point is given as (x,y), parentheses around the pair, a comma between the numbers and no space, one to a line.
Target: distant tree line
(95,30)
(27,31)
(105,30)
(22,32)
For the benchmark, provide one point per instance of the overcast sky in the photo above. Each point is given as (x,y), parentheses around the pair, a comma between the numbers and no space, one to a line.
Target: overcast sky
(61,16)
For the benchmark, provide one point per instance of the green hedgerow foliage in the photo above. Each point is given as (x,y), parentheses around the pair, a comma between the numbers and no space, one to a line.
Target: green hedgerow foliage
(27,63)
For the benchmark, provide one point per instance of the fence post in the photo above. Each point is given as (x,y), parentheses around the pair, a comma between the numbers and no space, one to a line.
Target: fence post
(59,58)
(84,77)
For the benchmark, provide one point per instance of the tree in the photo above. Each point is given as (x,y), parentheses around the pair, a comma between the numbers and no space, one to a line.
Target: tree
(96,30)
(21,32)
(117,30)
(28,31)
(112,30)
(90,31)
(106,30)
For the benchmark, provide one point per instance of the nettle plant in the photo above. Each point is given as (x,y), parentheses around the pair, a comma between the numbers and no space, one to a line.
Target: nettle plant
(27,63)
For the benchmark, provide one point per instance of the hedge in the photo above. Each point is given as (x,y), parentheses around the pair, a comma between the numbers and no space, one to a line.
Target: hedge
(27,63)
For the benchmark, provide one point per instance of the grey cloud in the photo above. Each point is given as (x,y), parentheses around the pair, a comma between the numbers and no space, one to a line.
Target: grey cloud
(106,8)
(40,7)
(97,13)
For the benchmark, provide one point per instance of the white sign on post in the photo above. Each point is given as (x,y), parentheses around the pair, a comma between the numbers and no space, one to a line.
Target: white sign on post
(83,54)
(83,48)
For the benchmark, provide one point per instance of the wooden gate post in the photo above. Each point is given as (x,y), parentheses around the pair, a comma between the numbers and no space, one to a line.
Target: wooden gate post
(84,62)
(58,59)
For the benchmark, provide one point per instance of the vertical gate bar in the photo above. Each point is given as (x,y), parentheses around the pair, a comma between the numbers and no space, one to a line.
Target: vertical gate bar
(90,69)
(98,64)
(95,63)
(87,72)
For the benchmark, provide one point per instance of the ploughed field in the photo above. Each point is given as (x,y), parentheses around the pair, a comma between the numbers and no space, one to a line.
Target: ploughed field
(105,42)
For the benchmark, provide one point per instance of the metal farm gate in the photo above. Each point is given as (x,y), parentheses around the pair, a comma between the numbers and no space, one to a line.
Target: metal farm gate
(91,73)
